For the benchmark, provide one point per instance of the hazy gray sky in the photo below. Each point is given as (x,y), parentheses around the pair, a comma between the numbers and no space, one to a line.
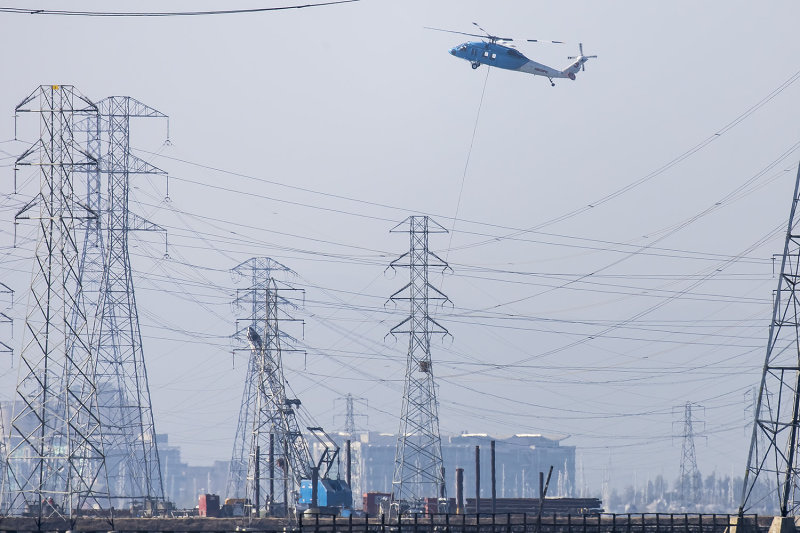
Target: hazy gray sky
(306,135)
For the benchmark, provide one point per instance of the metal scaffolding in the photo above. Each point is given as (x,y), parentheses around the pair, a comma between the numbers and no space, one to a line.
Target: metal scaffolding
(55,459)
(773,457)
(418,457)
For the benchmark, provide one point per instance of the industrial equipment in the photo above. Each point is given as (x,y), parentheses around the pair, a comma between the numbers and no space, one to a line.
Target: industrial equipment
(329,496)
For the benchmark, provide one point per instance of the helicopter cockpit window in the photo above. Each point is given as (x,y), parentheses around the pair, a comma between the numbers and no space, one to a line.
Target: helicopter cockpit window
(462,48)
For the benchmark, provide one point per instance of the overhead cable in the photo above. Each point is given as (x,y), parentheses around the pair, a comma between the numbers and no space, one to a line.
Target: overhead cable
(34,11)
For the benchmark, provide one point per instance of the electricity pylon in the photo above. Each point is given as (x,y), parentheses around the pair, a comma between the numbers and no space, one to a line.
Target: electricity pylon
(773,456)
(269,446)
(689,480)
(6,319)
(350,414)
(126,413)
(90,269)
(56,453)
(418,456)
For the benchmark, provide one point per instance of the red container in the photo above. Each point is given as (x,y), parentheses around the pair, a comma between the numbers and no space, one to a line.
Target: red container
(432,505)
(208,505)
(372,501)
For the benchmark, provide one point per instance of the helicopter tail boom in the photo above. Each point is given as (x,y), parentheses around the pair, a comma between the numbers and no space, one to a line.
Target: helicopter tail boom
(572,70)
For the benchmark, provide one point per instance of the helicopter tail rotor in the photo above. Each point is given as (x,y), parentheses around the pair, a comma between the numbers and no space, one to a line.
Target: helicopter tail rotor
(580,57)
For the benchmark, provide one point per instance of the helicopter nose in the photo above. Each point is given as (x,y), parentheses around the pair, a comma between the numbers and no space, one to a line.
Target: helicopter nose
(452,51)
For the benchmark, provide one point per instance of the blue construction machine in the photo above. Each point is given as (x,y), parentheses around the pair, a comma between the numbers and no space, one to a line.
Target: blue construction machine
(323,494)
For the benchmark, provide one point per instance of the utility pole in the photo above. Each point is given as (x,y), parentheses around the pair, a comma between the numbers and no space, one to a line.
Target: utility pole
(56,450)
(773,456)
(418,457)
(126,414)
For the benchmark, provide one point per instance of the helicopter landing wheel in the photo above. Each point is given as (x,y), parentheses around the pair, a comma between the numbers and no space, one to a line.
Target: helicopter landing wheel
(475,65)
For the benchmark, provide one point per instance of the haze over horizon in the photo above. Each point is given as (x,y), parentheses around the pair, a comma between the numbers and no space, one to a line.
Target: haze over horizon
(612,238)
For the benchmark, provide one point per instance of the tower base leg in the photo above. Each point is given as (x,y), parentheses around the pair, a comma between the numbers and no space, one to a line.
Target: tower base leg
(740,524)
(782,524)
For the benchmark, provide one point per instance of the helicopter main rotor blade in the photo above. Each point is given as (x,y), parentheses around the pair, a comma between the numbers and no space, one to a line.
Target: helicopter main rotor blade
(458,32)
(479,27)
(494,38)
(544,41)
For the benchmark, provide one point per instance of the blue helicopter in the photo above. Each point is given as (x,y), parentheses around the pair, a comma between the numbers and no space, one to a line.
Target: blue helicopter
(490,52)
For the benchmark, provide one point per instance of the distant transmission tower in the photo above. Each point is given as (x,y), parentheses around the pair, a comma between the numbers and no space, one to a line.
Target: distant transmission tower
(270,454)
(126,414)
(350,414)
(773,457)
(418,457)
(690,480)
(56,450)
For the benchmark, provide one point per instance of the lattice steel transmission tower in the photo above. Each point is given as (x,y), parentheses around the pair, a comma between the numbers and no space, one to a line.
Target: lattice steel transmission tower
(269,448)
(350,414)
(6,319)
(5,348)
(251,300)
(132,460)
(56,450)
(689,480)
(349,417)
(90,269)
(773,455)
(418,457)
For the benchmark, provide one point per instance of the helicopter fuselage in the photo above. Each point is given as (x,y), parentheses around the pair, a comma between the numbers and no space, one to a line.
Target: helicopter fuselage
(500,56)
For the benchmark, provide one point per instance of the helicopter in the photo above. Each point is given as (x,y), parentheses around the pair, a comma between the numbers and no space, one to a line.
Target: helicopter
(492,53)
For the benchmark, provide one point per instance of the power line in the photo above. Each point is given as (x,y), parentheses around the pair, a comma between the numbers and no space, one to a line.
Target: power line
(34,11)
